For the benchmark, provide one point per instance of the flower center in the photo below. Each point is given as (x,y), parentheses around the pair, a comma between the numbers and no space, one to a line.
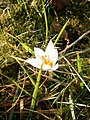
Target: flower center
(46,61)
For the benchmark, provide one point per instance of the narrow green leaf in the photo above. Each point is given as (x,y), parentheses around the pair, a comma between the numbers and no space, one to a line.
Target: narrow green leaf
(46,22)
(14,99)
(16,84)
(17,59)
(60,33)
(26,8)
(80,70)
(36,89)
(79,64)
(20,87)
(72,107)
(27,48)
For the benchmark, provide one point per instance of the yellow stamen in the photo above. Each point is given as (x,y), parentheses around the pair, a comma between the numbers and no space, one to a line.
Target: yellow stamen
(46,61)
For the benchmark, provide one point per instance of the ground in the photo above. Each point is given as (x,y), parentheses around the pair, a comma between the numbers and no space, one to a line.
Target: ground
(63,94)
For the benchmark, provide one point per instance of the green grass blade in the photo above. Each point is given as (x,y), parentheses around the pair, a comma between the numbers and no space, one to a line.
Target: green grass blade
(79,64)
(77,74)
(26,8)
(14,99)
(60,33)
(28,49)
(72,107)
(10,79)
(20,87)
(80,70)
(46,22)
(17,59)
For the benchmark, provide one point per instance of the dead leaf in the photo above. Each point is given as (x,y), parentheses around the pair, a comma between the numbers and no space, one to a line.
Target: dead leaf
(59,4)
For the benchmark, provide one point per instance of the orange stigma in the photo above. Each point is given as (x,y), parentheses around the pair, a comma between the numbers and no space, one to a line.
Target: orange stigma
(46,61)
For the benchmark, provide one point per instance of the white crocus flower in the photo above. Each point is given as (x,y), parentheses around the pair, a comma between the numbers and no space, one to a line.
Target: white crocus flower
(48,58)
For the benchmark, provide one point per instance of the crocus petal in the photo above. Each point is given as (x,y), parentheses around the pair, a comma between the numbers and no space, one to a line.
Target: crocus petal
(46,67)
(47,58)
(39,53)
(55,67)
(53,56)
(49,47)
(34,62)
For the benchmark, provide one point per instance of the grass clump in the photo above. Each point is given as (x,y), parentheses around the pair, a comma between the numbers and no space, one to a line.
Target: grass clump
(65,94)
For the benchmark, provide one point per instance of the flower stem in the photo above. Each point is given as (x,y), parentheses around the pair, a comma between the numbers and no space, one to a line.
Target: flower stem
(36,89)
